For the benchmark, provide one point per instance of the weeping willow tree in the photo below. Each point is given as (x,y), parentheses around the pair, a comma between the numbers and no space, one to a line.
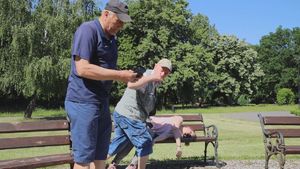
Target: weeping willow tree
(36,37)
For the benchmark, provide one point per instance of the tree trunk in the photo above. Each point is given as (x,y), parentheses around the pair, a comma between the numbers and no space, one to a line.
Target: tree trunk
(299,94)
(30,108)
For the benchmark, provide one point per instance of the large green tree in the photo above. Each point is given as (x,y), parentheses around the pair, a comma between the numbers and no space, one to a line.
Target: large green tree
(36,37)
(235,69)
(279,56)
(14,17)
(165,28)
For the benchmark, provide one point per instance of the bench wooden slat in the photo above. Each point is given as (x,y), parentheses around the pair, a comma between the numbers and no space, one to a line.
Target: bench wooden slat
(46,125)
(35,162)
(191,139)
(292,149)
(26,142)
(186,118)
(281,120)
(288,133)
(195,127)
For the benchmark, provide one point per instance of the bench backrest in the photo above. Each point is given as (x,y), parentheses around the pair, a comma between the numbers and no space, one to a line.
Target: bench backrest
(193,121)
(268,124)
(34,141)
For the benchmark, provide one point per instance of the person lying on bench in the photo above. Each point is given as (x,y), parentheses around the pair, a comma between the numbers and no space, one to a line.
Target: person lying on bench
(161,128)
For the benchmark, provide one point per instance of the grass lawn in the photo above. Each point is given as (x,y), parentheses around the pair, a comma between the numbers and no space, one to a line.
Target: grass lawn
(238,139)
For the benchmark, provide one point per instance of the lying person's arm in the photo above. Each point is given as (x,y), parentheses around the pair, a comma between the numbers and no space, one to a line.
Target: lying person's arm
(161,137)
(177,137)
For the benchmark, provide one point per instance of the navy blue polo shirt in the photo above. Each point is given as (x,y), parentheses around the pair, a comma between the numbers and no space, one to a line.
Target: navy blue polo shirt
(90,43)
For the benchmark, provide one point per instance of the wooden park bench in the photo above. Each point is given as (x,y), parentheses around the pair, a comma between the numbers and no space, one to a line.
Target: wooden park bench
(205,134)
(43,134)
(56,133)
(275,137)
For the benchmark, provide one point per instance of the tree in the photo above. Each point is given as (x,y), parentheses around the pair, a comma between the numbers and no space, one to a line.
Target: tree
(36,37)
(14,17)
(54,23)
(278,54)
(235,69)
(165,28)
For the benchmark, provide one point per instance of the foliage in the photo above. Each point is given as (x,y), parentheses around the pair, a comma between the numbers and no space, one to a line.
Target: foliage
(36,38)
(209,68)
(279,55)
(165,29)
(296,111)
(285,96)
(235,69)
(243,100)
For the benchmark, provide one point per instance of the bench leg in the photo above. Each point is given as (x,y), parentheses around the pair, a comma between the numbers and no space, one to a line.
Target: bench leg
(71,165)
(281,159)
(205,151)
(215,144)
(267,158)
(216,154)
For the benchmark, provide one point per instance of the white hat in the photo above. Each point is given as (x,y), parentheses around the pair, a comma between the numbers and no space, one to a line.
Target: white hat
(165,63)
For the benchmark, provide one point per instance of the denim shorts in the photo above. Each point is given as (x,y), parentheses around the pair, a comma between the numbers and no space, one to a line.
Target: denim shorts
(130,131)
(90,130)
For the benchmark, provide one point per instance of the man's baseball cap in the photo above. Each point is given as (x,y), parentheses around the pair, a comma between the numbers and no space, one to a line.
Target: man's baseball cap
(165,63)
(119,8)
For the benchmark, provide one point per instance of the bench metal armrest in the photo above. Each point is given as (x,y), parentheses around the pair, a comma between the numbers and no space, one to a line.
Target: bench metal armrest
(279,140)
(211,131)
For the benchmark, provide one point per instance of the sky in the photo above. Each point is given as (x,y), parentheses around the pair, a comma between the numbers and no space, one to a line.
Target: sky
(248,20)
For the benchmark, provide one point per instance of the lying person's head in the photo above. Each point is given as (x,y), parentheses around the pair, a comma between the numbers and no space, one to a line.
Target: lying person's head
(188,132)
(185,130)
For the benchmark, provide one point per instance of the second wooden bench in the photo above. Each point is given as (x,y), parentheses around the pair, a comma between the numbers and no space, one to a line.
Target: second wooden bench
(276,130)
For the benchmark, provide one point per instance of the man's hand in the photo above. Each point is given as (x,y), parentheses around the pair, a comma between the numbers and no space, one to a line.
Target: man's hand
(157,74)
(127,76)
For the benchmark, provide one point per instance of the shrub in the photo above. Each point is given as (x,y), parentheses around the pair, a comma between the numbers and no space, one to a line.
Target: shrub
(285,96)
(296,112)
(243,100)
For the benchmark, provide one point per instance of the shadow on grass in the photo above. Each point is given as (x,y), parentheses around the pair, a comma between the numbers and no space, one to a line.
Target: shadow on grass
(183,163)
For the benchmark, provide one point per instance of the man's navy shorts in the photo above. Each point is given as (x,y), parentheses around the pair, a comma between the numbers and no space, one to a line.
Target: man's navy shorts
(90,130)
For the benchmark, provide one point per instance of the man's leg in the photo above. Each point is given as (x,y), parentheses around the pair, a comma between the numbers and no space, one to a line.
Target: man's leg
(83,123)
(120,155)
(103,136)
(120,140)
(123,153)
(99,164)
(142,162)
(140,137)
(81,166)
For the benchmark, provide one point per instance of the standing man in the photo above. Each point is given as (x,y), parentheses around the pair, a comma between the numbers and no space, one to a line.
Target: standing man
(132,111)
(93,64)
